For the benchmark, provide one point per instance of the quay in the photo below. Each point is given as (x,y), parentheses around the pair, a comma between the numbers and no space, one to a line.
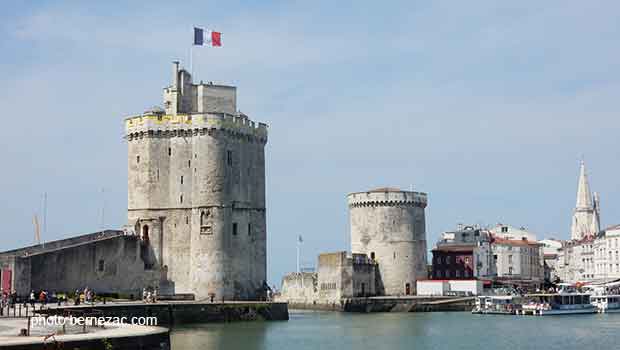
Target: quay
(392,304)
(123,337)
(182,312)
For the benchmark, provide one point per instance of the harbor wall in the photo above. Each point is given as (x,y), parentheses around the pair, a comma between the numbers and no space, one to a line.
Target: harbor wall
(381,304)
(186,312)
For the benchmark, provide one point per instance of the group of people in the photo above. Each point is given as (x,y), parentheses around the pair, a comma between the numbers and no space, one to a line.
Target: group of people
(43,297)
(149,296)
(87,296)
(9,298)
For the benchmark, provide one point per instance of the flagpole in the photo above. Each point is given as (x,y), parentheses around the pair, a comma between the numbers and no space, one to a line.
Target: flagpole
(191,60)
(298,253)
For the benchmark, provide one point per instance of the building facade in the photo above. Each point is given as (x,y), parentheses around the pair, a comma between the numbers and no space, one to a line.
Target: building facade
(518,260)
(196,190)
(473,252)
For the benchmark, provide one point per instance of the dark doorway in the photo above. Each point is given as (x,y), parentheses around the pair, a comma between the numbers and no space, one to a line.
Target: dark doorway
(145,233)
(407,289)
(372,255)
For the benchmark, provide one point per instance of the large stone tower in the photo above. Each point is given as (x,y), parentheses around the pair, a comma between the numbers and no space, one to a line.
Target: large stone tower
(586,216)
(388,225)
(196,190)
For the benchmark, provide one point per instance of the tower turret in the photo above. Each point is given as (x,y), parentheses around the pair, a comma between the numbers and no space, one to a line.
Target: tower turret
(196,176)
(389,226)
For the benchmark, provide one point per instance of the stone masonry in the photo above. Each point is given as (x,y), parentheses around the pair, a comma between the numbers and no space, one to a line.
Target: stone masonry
(196,180)
(388,225)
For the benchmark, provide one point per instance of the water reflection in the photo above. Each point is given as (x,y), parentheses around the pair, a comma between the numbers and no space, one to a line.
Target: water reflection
(419,331)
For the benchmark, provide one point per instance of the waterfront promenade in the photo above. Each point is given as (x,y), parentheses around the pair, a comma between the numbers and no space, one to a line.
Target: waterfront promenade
(43,336)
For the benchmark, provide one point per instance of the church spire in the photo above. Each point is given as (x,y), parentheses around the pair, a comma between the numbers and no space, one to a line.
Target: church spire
(584,196)
(585,221)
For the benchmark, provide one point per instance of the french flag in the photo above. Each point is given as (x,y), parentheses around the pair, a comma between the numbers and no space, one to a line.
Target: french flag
(205,37)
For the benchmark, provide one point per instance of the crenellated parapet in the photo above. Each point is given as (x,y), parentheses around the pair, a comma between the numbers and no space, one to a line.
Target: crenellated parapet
(187,125)
(387,197)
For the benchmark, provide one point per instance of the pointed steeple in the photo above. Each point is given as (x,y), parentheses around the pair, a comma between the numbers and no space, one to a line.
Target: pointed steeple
(584,196)
(596,220)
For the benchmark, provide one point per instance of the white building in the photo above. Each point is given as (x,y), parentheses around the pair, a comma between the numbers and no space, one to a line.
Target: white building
(551,249)
(512,233)
(518,259)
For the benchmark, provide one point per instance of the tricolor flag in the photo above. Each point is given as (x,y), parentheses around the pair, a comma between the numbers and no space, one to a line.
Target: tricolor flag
(207,37)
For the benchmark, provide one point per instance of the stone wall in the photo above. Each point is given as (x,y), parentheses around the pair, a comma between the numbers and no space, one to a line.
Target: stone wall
(300,288)
(339,276)
(107,265)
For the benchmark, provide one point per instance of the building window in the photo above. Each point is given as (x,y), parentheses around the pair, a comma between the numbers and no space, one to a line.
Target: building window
(504,229)
(234,229)
(157,174)
(229,158)
(101,265)
(205,228)
(181,199)
(169,151)
(138,159)
(249,229)
(187,220)
(181,179)
(372,255)
(510,270)
(510,259)
(189,163)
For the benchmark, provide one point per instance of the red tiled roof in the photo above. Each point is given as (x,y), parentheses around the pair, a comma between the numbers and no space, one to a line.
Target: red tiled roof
(514,242)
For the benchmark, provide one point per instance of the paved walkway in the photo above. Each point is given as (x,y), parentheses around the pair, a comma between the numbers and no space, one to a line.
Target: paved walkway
(10,329)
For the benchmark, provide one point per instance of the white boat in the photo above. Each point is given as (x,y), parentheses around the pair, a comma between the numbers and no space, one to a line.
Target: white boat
(497,304)
(606,303)
(557,304)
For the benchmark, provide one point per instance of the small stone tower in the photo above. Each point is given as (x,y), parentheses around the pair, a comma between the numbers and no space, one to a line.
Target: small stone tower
(388,225)
(196,191)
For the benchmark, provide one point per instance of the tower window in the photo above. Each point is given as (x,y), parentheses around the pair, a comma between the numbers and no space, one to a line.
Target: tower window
(189,163)
(229,157)
(234,229)
(169,151)
(187,220)
(138,159)
(101,265)
(249,229)
(181,179)
(181,199)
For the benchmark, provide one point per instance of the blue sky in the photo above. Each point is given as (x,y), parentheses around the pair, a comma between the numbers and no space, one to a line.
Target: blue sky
(487,106)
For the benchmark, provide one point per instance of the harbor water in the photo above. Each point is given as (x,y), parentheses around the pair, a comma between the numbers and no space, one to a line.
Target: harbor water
(420,331)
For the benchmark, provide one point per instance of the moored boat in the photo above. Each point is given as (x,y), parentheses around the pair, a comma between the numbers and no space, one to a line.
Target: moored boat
(497,304)
(606,303)
(557,304)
